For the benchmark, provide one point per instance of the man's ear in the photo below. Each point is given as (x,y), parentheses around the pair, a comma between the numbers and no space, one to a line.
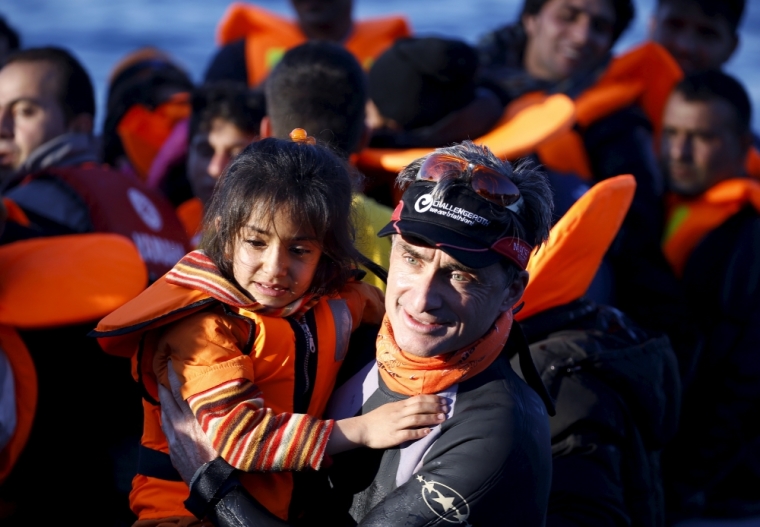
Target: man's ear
(528,22)
(514,291)
(81,124)
(265,128)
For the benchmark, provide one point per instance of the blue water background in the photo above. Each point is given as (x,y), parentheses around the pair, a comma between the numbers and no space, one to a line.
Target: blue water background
(100,32)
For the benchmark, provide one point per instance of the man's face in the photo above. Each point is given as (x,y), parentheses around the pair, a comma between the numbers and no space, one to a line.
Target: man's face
(320,12)
(436,305)
(700,144)
(30,114)
(567,36)
(698,42)
(211,152)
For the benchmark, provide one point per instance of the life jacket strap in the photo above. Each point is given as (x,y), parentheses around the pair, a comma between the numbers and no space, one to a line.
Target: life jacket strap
(156,464)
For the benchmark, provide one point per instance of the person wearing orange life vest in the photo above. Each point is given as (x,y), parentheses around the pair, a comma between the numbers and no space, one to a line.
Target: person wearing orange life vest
(53,289)
(254,40)
(49,164)
(564,46)
(226,117)
(712,241)
(256,326)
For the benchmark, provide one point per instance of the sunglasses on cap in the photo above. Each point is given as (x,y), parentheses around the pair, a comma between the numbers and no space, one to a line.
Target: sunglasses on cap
(487,182)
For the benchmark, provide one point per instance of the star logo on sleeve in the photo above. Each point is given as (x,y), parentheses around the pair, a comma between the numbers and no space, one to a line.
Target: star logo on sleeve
(442,500)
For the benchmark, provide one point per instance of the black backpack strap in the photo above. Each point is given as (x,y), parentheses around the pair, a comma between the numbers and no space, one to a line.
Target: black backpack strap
(156,464)
(376,269)
(518,344)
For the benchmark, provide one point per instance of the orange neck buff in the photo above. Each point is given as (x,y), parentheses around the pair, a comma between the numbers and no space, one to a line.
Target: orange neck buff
(411,375)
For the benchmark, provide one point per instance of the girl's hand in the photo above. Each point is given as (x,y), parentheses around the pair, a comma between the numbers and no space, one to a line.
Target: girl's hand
(389,425)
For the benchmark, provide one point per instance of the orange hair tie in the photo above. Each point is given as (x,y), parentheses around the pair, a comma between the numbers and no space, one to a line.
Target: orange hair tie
(299,135)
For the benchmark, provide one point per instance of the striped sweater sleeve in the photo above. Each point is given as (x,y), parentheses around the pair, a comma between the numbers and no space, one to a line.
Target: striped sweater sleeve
(251,437)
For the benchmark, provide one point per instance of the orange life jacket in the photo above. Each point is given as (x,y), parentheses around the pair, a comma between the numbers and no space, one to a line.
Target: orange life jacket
(690,220)
(25,392)
(644,76)
(524,124)
(143,131)
(122,205)
(562,269)
(268,36)
(55,281)
(126,333)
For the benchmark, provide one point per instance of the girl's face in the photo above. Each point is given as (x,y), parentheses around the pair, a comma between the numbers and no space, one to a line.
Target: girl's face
(275,258)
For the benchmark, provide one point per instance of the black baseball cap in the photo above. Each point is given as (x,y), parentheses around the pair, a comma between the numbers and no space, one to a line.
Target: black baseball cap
(462,224)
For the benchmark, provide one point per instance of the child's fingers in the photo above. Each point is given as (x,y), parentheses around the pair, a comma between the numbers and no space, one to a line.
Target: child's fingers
(419,420)
(413,435)
(425,404)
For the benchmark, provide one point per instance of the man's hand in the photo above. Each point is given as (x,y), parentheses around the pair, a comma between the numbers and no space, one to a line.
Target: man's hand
(189,447)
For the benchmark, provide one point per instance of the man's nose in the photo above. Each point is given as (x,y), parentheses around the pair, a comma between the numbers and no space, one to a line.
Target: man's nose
(217,164)
(424,294)
(580,31)
(6,124)
(684,44)
(680,148)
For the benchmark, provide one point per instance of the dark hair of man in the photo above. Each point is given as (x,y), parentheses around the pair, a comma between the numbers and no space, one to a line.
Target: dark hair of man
(731,10)
(74,88)
(534,221)
(716,85)
(624,13)
(9,34)
(320,87)
(229,101)
(307,182)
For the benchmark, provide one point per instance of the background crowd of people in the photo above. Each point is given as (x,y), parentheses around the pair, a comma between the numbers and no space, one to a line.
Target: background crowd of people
(641,311)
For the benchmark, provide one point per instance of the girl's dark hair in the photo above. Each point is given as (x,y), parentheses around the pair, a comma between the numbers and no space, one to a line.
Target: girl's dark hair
(308,182)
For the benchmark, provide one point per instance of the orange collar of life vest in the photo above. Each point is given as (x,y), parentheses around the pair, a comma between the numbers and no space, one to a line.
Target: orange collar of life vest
(689,220)
(193,284)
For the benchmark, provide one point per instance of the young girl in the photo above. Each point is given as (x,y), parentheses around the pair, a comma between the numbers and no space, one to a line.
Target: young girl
(256,325)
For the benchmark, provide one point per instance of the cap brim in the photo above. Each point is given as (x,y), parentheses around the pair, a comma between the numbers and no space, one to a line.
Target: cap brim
(460,248)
